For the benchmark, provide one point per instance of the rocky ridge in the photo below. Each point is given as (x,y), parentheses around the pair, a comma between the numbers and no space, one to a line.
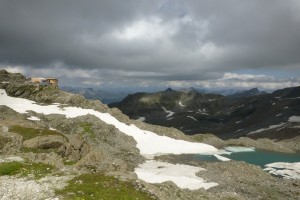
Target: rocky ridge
(252,114)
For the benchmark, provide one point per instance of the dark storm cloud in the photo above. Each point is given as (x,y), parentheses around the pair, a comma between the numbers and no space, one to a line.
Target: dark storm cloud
(163,40)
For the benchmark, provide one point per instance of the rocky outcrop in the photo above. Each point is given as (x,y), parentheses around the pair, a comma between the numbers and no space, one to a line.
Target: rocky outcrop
(10,143)
(6,77)
(45,142)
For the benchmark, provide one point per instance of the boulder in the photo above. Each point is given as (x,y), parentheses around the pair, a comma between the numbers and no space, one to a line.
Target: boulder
(45,142)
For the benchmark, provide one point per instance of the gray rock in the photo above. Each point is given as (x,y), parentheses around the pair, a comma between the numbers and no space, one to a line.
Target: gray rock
(45,142)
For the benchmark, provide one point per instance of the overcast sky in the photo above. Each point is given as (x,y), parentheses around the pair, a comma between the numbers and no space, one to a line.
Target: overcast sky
(157,43)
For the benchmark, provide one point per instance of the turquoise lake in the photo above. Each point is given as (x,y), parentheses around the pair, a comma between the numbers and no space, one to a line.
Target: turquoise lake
(257,157)
(261,158)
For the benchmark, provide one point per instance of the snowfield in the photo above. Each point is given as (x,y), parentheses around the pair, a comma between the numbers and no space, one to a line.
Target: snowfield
(287,170)
(182,175)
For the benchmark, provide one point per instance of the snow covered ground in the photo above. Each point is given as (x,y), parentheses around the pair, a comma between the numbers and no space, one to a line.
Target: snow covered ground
(287,170)
(182,175)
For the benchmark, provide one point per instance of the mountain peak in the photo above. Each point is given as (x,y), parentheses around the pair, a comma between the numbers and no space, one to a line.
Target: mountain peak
(169,89)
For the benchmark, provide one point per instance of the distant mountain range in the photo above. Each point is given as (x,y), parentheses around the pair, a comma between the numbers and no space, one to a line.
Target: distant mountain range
(253,113)
(105,96)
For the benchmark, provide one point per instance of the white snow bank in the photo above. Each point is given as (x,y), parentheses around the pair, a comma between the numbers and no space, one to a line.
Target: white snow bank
(294,119)
(33,118)
(237,149)
(222,158)
(265,129)
(184,176)
(148,143)
(2,92)
(287,170)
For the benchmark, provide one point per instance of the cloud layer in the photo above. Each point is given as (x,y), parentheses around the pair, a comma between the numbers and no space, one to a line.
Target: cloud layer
(153,42)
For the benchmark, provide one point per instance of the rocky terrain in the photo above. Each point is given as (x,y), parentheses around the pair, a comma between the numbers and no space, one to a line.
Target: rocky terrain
(52,156)
(250,113)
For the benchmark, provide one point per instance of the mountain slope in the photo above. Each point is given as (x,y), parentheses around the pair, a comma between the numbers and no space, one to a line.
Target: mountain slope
(104,96)
(226,116)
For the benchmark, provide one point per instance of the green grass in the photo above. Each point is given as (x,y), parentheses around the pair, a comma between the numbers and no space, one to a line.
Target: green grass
(35,150)
(38,170)
(87,127)
(97,186)
(29,133)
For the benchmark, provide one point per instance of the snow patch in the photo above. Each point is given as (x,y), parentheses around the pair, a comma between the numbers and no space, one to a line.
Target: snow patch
(265,129)
(287,170)
(239,130)
(236,149)
(52,129)
(192,118)
(33,118)
(184,176)
(294,119)
(170,113)
(238,122)
(142,119)
(222,158)
(181,104)
(203,111)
